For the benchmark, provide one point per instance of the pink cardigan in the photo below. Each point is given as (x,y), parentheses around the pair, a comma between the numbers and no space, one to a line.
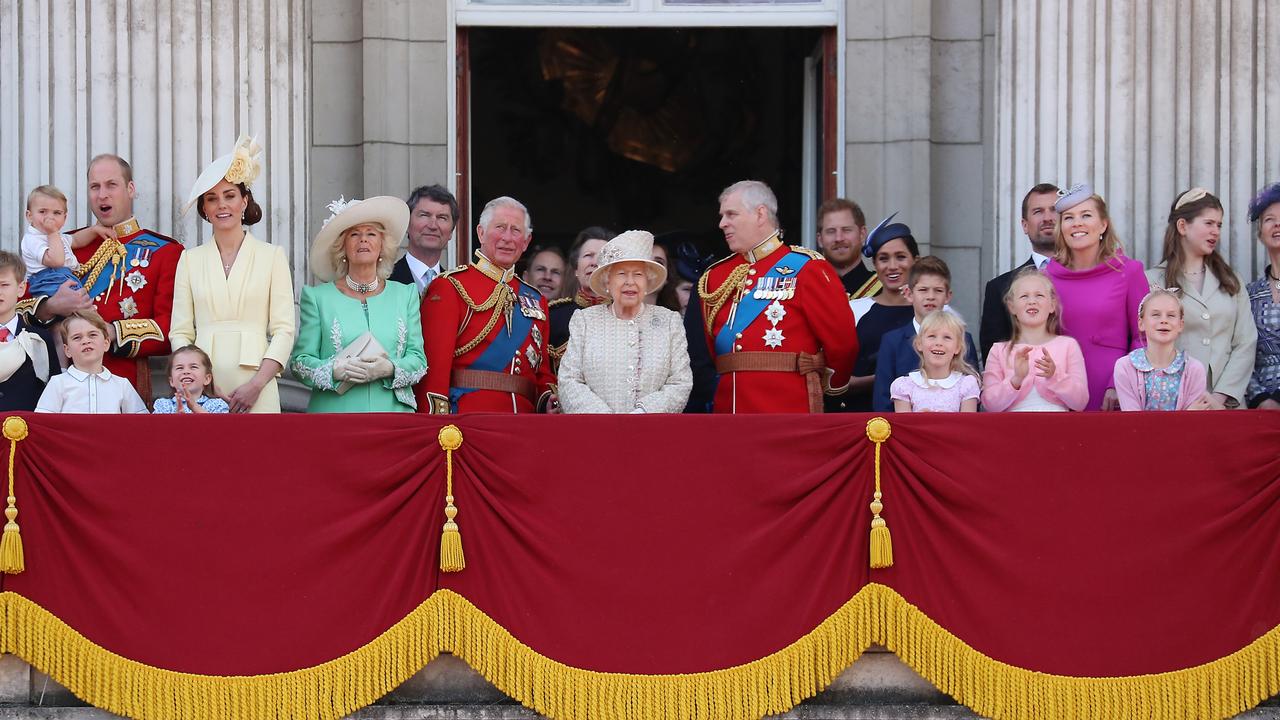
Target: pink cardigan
(1132,391)
(1069,386)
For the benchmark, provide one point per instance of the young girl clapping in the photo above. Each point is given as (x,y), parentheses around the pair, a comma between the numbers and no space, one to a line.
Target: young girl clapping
(1038,369)
(1160,376)
(191,377)
(944,382)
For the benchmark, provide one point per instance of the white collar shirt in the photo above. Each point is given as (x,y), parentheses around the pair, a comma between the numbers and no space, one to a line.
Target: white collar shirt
(1039,260)
(76,391)
(419,270)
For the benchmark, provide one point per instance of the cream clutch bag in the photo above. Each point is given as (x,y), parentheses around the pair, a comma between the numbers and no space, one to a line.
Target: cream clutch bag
(365,347)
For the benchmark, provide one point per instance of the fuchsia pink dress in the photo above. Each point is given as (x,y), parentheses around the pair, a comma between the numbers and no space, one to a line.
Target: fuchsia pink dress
(1100,310)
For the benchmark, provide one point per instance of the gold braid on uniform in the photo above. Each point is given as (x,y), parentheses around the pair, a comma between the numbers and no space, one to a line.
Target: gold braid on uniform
(717,299)
(500,301)
(111,250)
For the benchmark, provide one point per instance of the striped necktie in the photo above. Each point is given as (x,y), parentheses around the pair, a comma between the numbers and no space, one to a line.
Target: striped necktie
(427,277)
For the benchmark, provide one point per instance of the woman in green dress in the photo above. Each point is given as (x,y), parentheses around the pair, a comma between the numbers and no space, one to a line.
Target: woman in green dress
(359,345)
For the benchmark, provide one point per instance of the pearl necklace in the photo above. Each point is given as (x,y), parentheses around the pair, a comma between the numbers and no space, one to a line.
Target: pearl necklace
(362,288)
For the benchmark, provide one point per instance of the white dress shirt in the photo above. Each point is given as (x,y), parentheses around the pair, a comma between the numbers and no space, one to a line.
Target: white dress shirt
(1039,260)
(419,270)
(76,391)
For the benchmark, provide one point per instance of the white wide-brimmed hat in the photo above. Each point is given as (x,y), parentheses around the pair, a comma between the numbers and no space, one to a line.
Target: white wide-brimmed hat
(391,212)
(241,165)
(630,246)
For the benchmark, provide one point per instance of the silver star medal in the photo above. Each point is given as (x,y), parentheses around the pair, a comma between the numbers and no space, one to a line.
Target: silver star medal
(135,280)
(773,337)
(128,307)
(775,312)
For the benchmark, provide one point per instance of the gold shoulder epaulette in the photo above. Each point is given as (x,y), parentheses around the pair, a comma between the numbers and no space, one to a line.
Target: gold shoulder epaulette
(716,299)
(27,306)
(813,254)
(451,271)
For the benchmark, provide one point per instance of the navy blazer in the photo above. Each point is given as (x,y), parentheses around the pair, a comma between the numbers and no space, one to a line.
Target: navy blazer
(22,390)
(401,273)
(996,326)
(898,357)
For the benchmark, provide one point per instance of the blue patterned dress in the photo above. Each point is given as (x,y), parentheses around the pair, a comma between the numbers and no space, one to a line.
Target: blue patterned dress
(1265,382)
(1161,385)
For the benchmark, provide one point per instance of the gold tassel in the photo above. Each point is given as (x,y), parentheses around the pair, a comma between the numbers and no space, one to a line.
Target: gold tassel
(881,541)
(11,557)
(451,557)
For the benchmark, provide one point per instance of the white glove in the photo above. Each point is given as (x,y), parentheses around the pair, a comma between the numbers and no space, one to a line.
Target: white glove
(349,370)
(375,369)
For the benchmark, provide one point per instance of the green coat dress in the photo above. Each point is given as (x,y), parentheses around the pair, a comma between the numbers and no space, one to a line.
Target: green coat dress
(331,321)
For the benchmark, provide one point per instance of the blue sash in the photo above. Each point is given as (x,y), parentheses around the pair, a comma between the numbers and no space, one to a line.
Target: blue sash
(502,348)
(137,246)
(750,307)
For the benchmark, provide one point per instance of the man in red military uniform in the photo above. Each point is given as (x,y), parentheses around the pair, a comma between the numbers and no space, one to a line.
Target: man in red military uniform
(777,318)
(127,273)
(485,330)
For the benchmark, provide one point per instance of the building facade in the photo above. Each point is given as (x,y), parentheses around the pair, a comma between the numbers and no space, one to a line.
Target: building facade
(945,111)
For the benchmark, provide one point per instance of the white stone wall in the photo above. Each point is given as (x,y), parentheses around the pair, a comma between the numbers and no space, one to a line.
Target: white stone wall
(917,108)
(1144,100)
(381,99)
(166,84)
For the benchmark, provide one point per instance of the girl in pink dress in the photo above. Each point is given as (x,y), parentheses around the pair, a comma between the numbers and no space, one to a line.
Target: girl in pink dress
(1160,376)
(1038,370)
(944,382)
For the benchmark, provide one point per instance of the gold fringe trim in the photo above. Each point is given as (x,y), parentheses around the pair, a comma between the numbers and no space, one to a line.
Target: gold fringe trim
(106,680)
(773,684)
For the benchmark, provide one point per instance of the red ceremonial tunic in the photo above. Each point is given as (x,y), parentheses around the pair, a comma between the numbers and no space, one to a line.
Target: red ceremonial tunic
(817,318)
(137,299)
(452,321)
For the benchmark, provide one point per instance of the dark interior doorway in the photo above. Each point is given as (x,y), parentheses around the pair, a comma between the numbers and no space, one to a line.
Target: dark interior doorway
(637,128)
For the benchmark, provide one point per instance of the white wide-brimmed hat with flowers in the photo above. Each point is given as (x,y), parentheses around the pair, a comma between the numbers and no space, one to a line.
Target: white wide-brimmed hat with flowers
(390,212)
(630,246)
(241,165)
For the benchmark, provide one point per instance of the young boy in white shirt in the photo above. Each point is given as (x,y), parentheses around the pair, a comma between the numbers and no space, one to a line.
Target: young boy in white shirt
(86,386)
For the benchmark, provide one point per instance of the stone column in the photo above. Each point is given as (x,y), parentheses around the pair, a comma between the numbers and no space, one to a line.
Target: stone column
(1143,100)
(380,99)
(914,118)
(166,84)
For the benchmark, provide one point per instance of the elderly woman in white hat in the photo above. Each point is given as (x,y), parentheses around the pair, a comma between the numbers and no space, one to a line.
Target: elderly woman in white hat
(360,340)
(233,297)
(626,356)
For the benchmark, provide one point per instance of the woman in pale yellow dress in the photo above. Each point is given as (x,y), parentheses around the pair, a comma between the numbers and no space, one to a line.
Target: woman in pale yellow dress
(233,297)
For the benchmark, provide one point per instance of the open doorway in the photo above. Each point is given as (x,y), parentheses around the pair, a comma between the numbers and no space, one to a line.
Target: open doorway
(642,128)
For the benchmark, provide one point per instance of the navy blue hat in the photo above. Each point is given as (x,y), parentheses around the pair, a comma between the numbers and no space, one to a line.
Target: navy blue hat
(883,233)
(1267,196)
(690,263)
